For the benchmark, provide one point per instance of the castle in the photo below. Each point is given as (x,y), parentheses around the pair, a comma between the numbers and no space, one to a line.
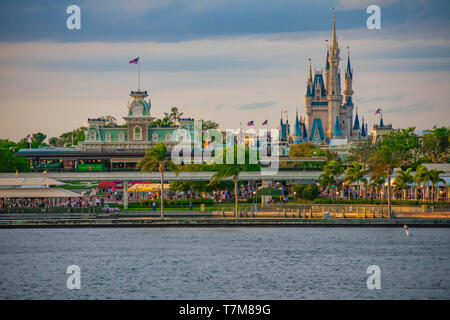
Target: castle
(329,111)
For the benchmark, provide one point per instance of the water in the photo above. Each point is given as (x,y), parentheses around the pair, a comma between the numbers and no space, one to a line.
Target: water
(225,263)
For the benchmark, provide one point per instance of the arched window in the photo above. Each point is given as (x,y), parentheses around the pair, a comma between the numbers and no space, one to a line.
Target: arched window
(168,137)
(137,133)
(108,137)
(92,136)
(155,137)
(121,136)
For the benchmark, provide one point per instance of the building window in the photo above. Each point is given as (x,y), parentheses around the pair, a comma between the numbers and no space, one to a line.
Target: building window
(137,133)
(155,137)
(168,137)
(92,136)
(121,136)
(108,137)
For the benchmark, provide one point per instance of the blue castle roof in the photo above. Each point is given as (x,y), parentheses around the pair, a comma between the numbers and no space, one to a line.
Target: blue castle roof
(298,130)
(349,68)
(282,129)
(337,128)
(317,126)
(349,101)
(363,129)
(318,80)
(356,124)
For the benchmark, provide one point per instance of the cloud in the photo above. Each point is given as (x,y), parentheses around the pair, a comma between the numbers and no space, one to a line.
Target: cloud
(255,105)
(395,97)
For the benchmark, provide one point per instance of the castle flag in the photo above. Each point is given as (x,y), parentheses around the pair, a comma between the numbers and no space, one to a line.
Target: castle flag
(378,111)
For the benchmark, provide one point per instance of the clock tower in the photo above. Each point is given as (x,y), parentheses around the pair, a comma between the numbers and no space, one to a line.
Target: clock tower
(139,119)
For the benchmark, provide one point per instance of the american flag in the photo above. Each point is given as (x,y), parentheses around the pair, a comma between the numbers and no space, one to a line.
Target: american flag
(136,61)
(250,123)
(265,122)
(378,111)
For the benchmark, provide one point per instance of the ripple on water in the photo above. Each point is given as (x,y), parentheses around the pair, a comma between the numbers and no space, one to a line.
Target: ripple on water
(225,263)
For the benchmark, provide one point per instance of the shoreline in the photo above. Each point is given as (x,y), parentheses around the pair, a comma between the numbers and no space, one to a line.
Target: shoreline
(220,223)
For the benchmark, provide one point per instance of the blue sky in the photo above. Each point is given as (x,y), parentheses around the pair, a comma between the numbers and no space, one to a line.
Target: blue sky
(226,60)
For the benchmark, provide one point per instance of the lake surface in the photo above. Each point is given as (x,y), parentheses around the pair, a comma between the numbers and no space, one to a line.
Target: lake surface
(225,263)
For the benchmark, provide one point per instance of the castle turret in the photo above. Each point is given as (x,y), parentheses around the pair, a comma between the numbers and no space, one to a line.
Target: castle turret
(334,96)
(298,134)
(348,82)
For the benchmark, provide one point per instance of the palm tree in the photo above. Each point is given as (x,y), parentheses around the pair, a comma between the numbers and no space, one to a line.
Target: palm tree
(402,180)
(423,177)
(156,159)
(377,182)
(355,173)
(435,179)
(227,170)
(393,150)
(332,172)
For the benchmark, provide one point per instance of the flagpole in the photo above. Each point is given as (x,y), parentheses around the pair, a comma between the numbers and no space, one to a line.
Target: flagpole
(139,75)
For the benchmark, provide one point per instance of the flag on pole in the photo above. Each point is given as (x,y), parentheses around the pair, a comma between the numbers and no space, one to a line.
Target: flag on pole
(265,122)
(206,144)
(378,111)
(135,61)
(250,123)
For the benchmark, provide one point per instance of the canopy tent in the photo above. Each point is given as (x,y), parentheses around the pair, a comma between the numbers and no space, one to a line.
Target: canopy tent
(39,181)
(38,193)
(139,187)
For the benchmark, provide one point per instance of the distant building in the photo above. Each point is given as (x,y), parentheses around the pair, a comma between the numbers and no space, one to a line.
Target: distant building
(137,134)
(380,129)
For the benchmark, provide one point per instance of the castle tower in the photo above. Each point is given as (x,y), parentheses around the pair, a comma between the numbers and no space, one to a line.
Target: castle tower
(139,119)
(334,96)
(348,82)
(309,95)
(298,132)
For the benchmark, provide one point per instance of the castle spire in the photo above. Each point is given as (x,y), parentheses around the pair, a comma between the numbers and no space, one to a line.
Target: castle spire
(334,43)
(348,72)
(310,71)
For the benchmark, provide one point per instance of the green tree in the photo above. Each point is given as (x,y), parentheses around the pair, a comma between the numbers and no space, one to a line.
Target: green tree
(435,179)
(332,173)
(227,170)
(355,172)
(402,181)
(361,150)
(209,124)
(174,115)
(435,144)
(156,159)
(393,149)
(422,177)
(9,162)
(377,182)
(56,142)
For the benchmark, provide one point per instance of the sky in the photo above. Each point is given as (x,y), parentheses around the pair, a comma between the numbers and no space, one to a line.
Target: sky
(230,61)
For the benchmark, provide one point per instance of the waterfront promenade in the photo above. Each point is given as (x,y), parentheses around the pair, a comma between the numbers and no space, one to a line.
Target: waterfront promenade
(215,219)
